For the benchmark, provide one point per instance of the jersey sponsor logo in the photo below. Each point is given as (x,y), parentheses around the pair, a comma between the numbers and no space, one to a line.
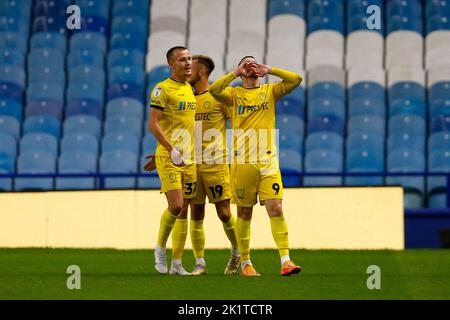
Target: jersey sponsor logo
(186,106)
(157,92)
(202,116)
(255,108)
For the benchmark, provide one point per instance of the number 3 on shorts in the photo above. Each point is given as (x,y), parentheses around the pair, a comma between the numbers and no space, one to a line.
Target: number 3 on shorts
(189,189)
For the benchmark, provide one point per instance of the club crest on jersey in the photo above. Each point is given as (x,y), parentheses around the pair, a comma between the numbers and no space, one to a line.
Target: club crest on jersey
(262,95)
(157,92)
(240,192)
(207,104)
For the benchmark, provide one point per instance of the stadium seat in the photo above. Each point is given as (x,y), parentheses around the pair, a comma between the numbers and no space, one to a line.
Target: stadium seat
(8,145)
(439,161)
(365,140)
(291,167)
(76,162)
(130,24)
(10,90)
(150,182)
(49,40)
(35,163)
(326,90)
(91,57)
(439,107)
(36,142)
(127,41)
(126,90)
(42,124)
(125,58)
(94,24)
(45,57)
(290,123)
(125,107)
(43,90)
(94,8)
(12,57)
(131,7)
(439,141)
(324,107)
(149,144)
(12,74)
(406,140)
(88,40)
(126,74)
(364,161)
(406,89)
(121,141)
(14,41)
(10,125)
(119,162)
(83,124)
(324,141)
(55,23)
(407,106)
(80,142)
(86,90)
(87,73)
(367,106)
(326,124)
(44,107)
(86,107)
(279,7)
(11,108)
(438,91)
(367,90)
(407,123)
(323,161)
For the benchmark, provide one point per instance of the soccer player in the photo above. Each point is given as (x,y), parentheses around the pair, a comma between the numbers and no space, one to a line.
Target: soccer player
(213,178)
(172,119)
(253,112)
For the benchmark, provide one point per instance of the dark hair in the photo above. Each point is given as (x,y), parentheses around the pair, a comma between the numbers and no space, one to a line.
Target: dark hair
(172,50)
(206,61)
(244,59)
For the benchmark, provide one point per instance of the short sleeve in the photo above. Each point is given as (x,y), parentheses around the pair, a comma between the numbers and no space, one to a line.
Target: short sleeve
(158,97)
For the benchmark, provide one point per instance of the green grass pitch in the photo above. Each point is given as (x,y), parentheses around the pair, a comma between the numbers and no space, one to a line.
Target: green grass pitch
(115,274)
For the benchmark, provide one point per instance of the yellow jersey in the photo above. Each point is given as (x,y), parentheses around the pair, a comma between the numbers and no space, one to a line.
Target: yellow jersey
(177,102)
(252,113)
(210,125)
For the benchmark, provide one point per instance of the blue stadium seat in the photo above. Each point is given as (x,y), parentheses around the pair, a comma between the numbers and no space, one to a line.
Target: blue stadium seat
(11,108)
(12,91)
(438,91)
(408,106)
(365,141)
(94,8)
(328,123)
(130,24)
(8,145)
(288,140)
(85,107)
(55,23)
(10,125)
(122,123)
(48,73)
(35,163)
(290,106)
(79,141)
(47,57)
(121,141)
(76,162)
(94,24)
(33,142)
(49,40)
(125,107)
(42,124)
(50,8)
(324,141)
(407,124)
(88,40)
(367,90)
(277,7)
(44,107)
(158,74)
(87,73)
(13,41)
(12,57)
(324,107)
(131,8)
(91,57)
(132,74)
(412,8)
(6,183)
(366,123)
(290,166)
(405,140)
(439,141)
(149,144)
(126,90)
(323,161)
(125,58)
(406,90)
(12,74)
(119,161)
(367,106)
(11,23)
(44,90)
(85,90)
(364,161)
(402,22)
(290,123)
(440,123)
(127,41)
(438,22)
(326,90)
(150,182)
(439,107)
(439,161)
(83,124)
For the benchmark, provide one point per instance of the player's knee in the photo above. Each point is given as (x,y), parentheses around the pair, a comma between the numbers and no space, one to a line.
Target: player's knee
(176,207)
(275,209)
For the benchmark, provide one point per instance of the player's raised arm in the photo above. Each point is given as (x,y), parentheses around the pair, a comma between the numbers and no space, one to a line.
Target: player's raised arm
(219,88)
(291,80)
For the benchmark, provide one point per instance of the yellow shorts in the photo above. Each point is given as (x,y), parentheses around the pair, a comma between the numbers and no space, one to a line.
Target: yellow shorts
(250,181)
(177,178)
(212,181)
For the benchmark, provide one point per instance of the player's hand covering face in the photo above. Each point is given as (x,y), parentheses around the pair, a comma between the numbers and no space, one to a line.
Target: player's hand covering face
(258,70)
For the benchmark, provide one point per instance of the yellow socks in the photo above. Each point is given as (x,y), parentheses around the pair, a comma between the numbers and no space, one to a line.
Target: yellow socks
(243,236)
(165,227)
(179,235)
(280,235)
(229,228)
(197,238)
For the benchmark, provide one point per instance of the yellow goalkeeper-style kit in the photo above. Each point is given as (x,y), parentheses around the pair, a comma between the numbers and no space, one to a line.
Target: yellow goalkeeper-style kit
(213,176)
(255,169)
(177,103)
